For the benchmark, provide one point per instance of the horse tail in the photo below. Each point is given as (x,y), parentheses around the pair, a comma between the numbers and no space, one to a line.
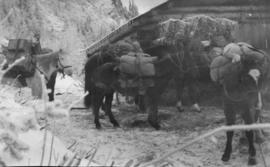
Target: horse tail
(87,100)
(88,84)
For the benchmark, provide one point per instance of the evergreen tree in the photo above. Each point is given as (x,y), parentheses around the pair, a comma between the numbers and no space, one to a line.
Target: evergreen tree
(133,9)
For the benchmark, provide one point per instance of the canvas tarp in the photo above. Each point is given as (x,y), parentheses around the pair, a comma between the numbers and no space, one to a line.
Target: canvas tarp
(138,65)
(217,30)
(221,67)
(224,65)
(122,47)
(19,45)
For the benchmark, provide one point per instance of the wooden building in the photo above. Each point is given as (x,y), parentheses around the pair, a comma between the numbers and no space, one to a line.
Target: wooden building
(253,17)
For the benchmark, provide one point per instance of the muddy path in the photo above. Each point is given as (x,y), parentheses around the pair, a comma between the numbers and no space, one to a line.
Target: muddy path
(137,141)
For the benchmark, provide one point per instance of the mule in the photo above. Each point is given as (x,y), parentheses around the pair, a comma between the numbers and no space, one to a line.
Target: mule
(104,81)
(107,55)
(241,95)
(48,64)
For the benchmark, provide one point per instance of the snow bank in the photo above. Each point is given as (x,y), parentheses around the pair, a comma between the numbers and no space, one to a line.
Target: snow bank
(23,142)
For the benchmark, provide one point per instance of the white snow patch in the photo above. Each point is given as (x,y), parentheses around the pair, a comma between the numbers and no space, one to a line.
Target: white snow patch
(67,85)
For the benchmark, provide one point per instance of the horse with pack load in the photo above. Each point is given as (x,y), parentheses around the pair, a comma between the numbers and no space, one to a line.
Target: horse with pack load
(243,72)
(134,74)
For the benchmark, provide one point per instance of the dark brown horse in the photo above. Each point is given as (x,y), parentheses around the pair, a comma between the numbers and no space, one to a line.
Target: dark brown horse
(242,95)
(103,81)
(105,55)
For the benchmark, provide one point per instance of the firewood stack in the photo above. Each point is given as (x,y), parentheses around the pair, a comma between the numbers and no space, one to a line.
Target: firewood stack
(205,28)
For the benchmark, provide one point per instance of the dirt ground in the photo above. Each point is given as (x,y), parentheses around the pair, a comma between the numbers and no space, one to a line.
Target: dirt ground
(136,141)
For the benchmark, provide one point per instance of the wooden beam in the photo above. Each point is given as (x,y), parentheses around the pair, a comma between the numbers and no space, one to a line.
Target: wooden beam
(183,3)
(218,9)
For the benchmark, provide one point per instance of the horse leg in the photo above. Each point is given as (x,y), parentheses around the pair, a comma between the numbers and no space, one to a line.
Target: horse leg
(140,104)
(259,136)
(230,120)
(151,108)
(51,85)
(194,94)
(117,98)
(97,99)
(179,93)
(247,116)
(108,106)
(103,106)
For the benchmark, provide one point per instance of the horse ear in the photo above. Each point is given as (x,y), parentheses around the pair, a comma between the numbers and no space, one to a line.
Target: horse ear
(116,69)
(3,47)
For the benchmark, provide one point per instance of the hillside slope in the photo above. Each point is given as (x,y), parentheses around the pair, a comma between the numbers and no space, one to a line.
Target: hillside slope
(68,24)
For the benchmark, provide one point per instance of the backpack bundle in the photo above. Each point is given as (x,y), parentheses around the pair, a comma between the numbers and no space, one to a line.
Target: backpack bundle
(223,66)
(16,49)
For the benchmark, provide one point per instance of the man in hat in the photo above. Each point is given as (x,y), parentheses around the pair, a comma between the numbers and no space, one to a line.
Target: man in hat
(36,47)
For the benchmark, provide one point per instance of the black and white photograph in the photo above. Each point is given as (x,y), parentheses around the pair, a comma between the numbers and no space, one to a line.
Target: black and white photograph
(135,83)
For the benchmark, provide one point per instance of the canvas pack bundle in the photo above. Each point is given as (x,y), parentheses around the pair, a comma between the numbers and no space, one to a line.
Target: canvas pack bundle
(139,65)
(218,30)
(221,67)
(19,45)
(18,48)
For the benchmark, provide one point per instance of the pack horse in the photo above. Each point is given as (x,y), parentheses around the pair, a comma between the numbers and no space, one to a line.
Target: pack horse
(25,62)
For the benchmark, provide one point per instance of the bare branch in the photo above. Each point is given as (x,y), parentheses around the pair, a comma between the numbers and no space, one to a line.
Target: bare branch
(7,16)
(223,128)
(14,64)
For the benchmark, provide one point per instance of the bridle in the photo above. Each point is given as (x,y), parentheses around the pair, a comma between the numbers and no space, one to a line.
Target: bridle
(245,95)
(60,69)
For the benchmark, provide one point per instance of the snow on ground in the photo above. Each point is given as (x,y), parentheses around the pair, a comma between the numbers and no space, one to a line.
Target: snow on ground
(137,142)
(67,84)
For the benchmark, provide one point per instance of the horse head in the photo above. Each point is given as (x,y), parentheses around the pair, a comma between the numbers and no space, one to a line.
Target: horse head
(50,62)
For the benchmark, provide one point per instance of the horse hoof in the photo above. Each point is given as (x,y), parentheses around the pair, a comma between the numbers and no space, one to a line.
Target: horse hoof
(179,106)
(252,161)
(180,109)
(196,108)
(259,138)
(155,125)
(116,125)
(243,140)
(98,127)
(198,111)
(225,158)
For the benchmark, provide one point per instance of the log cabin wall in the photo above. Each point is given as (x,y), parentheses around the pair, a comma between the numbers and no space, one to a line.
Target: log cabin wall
(253,17)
